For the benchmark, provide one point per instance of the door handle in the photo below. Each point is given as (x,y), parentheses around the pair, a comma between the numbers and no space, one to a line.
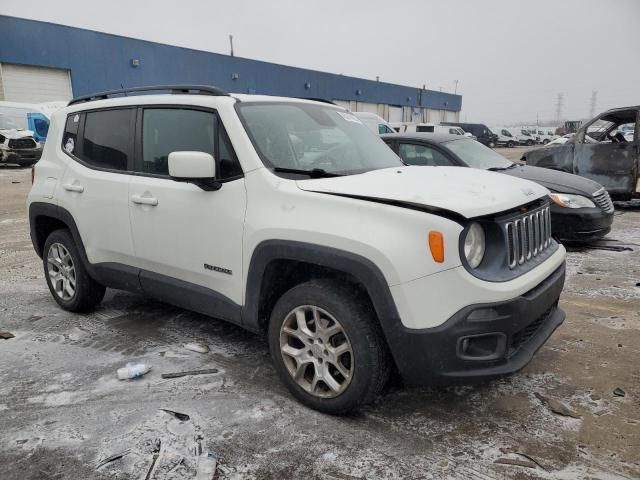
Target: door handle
(72,187)
(140,200)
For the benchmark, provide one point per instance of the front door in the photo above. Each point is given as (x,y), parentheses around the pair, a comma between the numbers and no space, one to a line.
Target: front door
(187,241)
(605,154)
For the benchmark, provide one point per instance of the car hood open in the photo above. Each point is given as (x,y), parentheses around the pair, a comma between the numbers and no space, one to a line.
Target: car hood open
(556,181)
(465,192)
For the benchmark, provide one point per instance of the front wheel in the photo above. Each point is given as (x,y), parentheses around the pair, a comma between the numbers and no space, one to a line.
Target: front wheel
(545,141)
(68,280)
(327,347)
(510,144)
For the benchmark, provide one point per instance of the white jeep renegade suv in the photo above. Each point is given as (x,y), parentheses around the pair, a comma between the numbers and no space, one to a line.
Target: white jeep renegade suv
(290,218)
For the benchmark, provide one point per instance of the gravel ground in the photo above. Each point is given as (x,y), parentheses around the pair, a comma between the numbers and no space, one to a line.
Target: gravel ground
(62,410)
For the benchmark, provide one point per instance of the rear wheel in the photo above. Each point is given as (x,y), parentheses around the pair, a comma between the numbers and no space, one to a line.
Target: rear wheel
(545,141)
(511,144)
(327,346)
(67,279)
(530,142)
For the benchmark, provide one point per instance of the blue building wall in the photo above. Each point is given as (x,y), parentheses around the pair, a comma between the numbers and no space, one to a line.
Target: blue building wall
(100,61)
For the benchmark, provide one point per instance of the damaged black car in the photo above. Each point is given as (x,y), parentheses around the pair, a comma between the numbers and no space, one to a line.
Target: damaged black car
(581,210)
(606,149)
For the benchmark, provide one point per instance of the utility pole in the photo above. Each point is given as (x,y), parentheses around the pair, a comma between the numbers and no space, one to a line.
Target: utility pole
(559,107)
(455,91)
(594,100)
(231,43)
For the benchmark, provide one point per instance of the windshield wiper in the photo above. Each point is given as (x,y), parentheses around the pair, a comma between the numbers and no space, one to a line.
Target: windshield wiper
(313,173)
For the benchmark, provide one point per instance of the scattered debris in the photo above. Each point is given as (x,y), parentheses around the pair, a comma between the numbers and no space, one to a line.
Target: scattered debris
(520,462)
(197,347)
(183,417)
(595,397)
(618,392)
(156,454)
(556,406)
(206,466)
(189,372)
(6,335)
(15,181)
(112,458)
(133,370)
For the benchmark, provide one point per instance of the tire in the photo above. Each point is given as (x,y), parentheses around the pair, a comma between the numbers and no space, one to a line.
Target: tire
(545,141)
(367,363)
(530,142)
(60,255)
(510,144)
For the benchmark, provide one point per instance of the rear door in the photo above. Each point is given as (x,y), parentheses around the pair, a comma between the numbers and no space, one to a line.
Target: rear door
(607,158)
(97,147)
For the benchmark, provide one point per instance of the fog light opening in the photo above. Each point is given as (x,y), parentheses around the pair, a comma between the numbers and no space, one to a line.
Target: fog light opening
(489,346)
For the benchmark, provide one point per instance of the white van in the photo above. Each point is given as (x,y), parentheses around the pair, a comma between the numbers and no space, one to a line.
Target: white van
(376,123)
(409,127)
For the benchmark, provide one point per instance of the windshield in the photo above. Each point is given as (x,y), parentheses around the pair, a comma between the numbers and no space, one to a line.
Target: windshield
(306,137)
(476,155)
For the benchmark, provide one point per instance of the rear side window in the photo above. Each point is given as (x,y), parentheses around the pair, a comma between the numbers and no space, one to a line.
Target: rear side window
(106,139)
(70,136)
(166,130)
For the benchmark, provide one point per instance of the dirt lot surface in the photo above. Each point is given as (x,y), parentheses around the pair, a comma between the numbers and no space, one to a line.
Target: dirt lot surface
(62,410)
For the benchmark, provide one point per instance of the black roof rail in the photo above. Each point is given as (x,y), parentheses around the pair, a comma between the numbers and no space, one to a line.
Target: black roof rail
(174,89)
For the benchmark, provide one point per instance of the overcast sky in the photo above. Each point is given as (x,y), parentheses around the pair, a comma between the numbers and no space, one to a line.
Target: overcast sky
(511,58)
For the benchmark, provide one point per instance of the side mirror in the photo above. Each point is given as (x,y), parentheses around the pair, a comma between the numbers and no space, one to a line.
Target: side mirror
(198,168)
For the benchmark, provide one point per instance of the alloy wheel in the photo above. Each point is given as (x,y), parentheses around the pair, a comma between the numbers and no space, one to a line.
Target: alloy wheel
(61,271)
(316,351)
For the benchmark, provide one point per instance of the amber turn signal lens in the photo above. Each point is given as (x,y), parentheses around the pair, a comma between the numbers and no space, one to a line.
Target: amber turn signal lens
(436,244)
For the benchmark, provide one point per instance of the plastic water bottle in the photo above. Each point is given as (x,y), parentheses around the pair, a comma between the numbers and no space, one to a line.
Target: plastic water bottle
(206,468)
(133,370)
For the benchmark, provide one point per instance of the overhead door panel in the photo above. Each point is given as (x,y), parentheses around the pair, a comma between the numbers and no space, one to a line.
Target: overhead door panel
(25,83)
(395,114)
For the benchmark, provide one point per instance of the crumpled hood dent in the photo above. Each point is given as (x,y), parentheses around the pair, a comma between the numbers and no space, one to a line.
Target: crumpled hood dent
(15,134)
(465,192)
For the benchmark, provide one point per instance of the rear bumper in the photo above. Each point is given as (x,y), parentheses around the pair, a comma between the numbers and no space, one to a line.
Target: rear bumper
(580,224)
(482,341)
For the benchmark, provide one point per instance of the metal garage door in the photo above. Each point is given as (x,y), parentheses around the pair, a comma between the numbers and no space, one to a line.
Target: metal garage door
(22,83)
(395,114)
(367,107)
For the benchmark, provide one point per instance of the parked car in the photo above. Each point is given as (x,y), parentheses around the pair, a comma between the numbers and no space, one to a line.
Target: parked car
(599,152)
(18,147)
(482,133)
(581,208)
(505,137)
(376,123)
(349,262)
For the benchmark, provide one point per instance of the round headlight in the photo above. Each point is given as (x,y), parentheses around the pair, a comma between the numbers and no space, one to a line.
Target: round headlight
(474,245)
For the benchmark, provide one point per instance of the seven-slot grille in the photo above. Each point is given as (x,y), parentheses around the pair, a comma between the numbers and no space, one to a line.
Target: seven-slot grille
(528,236)
(22,143)
(602,199)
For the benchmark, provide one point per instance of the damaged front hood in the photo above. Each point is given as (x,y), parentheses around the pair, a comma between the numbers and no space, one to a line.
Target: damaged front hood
(13,134)
(464,191)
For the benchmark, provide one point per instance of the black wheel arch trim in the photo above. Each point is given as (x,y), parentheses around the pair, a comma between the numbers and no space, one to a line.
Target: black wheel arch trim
(360,268)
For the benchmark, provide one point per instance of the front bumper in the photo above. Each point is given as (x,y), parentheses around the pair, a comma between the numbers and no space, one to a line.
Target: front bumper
(482,341)
(579,224)
(23,157)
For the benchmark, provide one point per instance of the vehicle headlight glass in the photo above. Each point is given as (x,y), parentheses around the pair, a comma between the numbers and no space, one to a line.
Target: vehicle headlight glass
(571,201)
(474,245)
